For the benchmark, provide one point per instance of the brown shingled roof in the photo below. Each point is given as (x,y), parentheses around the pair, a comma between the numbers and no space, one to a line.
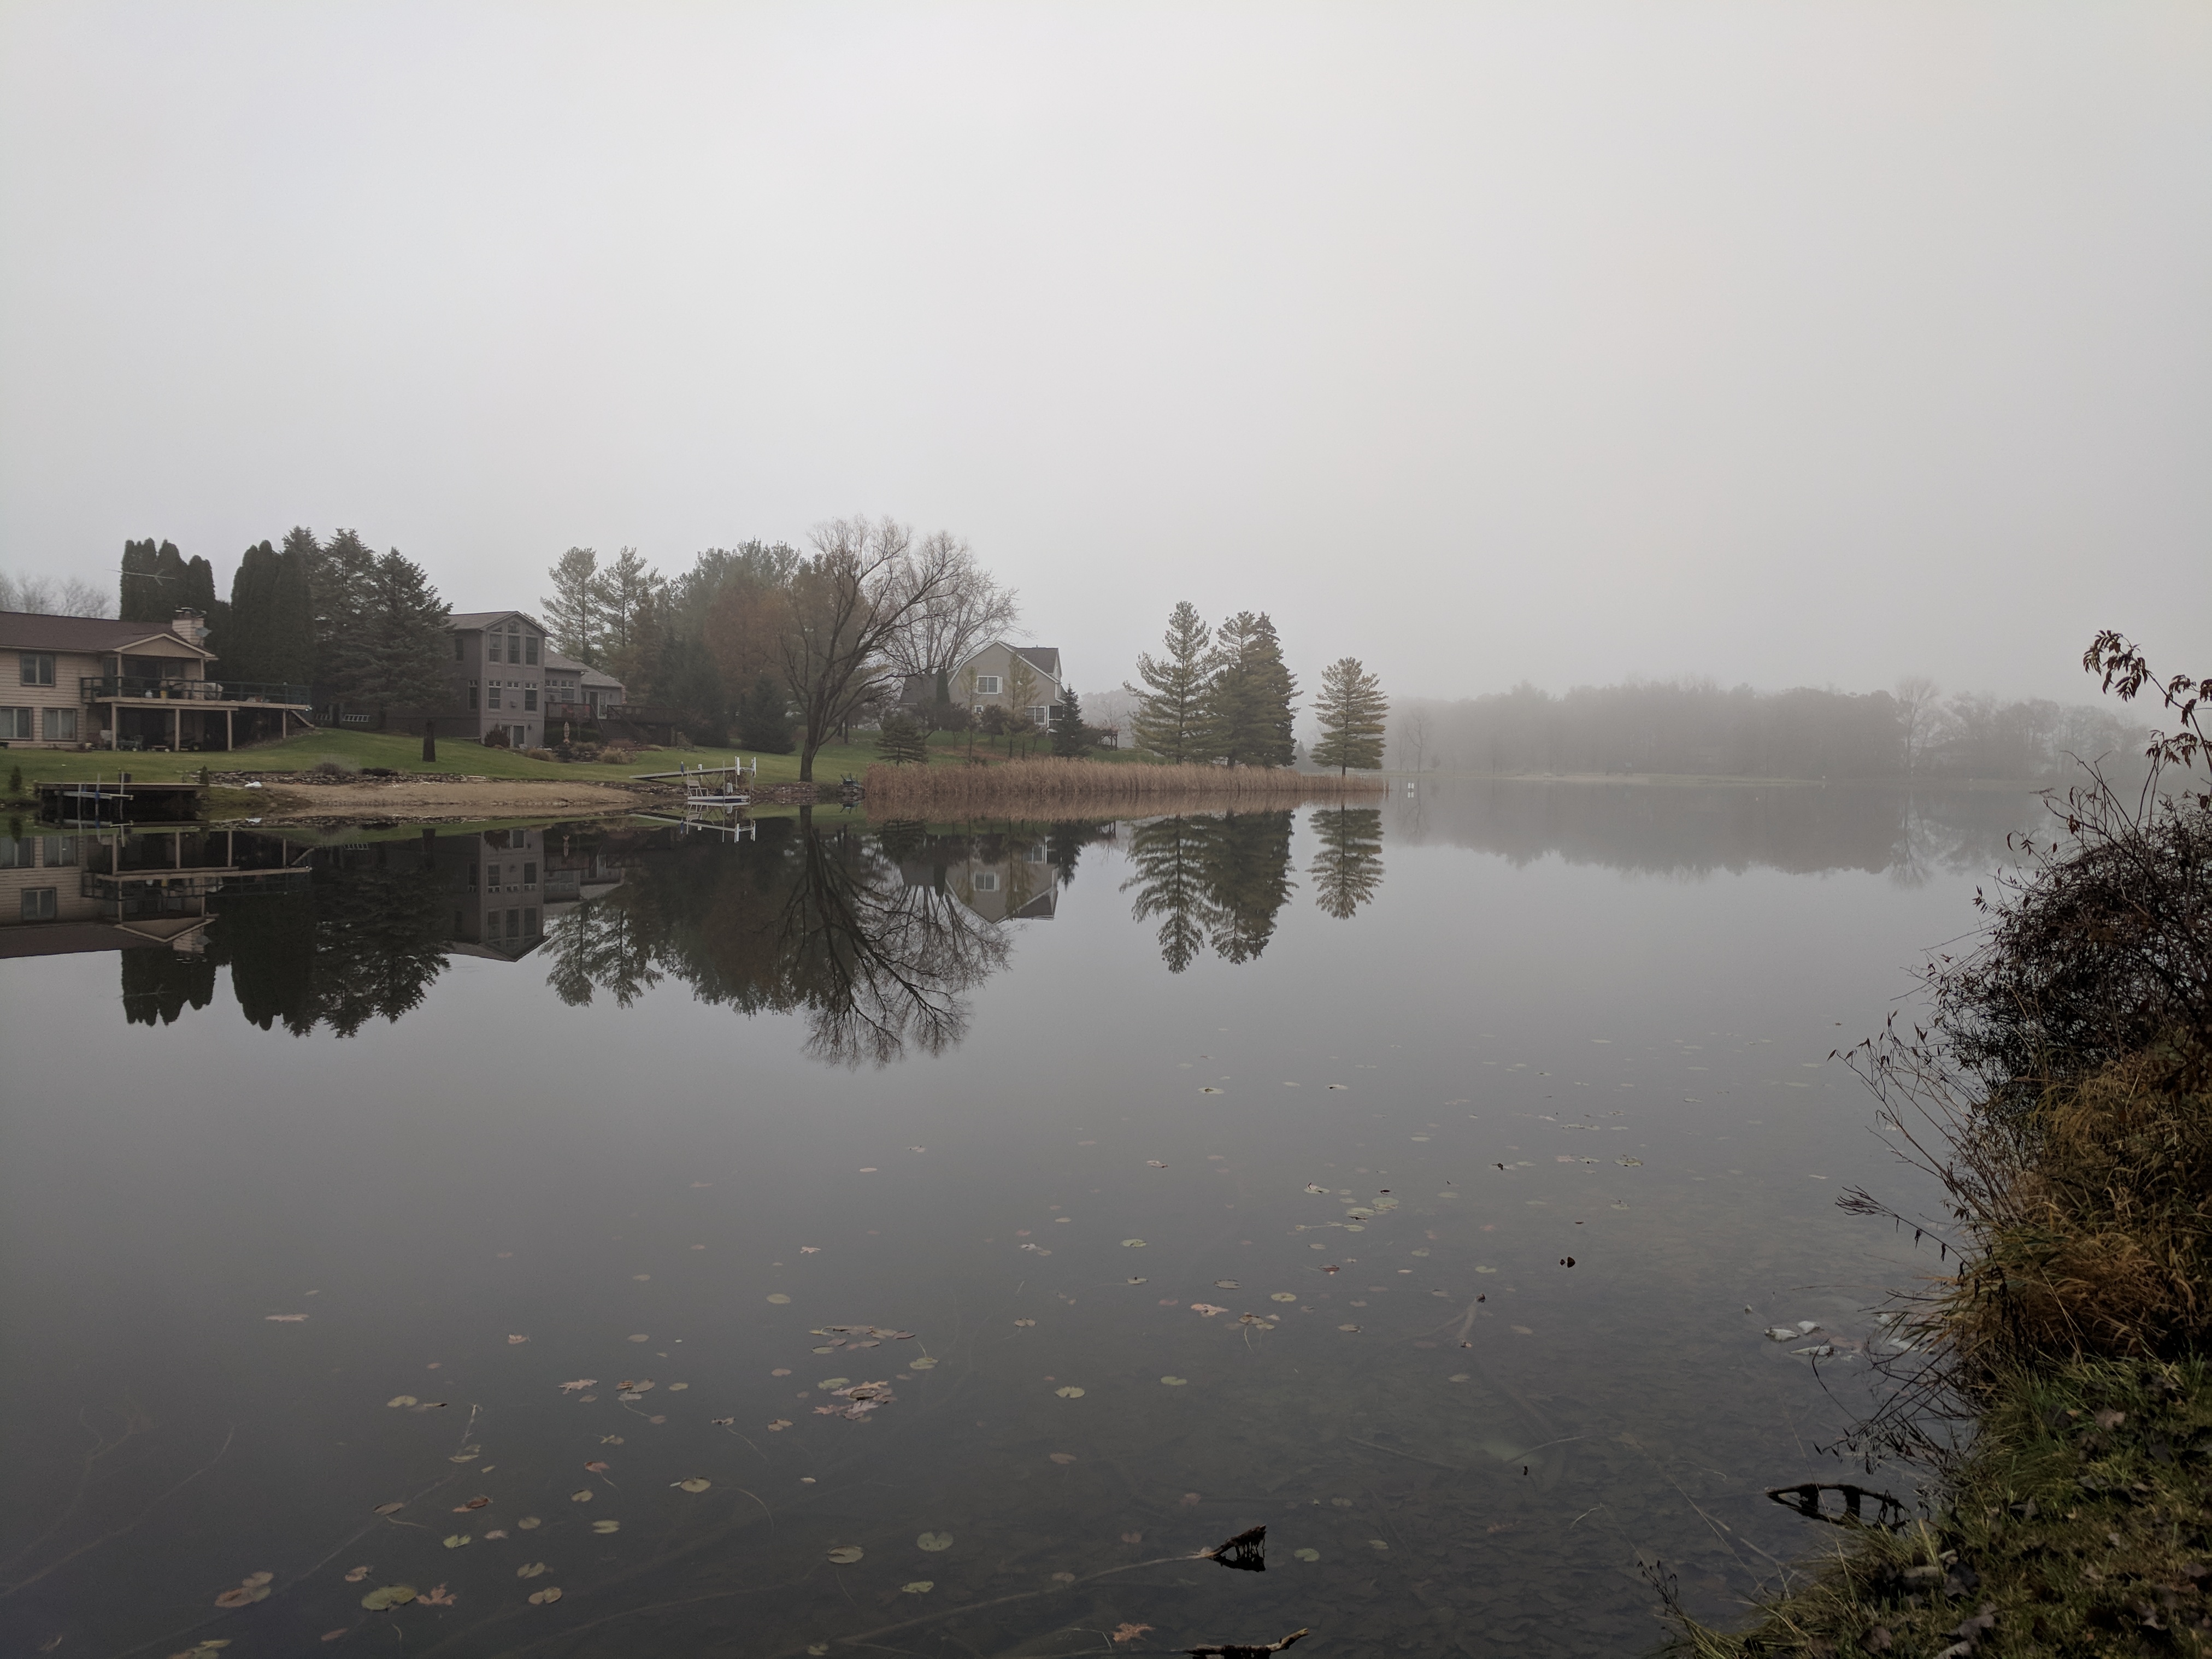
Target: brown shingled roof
(23,630)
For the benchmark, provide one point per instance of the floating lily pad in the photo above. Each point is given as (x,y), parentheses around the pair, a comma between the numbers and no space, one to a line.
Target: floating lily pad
(389,1509)
(535,1569)
(457,1539)
(545,1598)
(1485,1270)
(607,1526)
(1133,1243)
(1347,1327)
(401,1399)
(935,1540)
(581,1495)
(920,1587)
(921,1364)
(1224,1285)
(1069,1392)
(696,1483)
(778,1297)
(1283,1296)
(528,1521)
(1174,1382)
(845,1554)
(677,1388)
(388,1595)
(1307,1555)
(1630,1162)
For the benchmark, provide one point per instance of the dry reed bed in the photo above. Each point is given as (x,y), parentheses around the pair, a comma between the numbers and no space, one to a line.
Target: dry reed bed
(1044,788)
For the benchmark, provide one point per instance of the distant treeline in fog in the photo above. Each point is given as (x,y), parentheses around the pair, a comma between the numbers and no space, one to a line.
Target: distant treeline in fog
(1689,728)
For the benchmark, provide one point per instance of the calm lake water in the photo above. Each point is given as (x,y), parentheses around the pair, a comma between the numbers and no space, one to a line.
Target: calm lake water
(1147,1176)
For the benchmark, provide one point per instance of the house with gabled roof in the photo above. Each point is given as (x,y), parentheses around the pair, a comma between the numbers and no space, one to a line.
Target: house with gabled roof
(987,679)
(66,682)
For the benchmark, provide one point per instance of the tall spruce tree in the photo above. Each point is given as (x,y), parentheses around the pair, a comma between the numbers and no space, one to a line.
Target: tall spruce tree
(398,654)
(341,581)
(1069,740)
(1171,719)
(764,718)
(154,582)
(244,653)
(572,608)
(288,649)
(1251,699)
(1354,715)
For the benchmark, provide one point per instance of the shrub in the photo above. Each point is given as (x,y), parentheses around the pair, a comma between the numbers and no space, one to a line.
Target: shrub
(495,738)
(541,754)
(330,767)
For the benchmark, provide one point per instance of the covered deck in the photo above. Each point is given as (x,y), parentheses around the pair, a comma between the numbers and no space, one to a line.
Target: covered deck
(142,712)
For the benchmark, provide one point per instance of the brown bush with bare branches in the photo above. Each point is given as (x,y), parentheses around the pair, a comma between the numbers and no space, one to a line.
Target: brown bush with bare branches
(1048,788)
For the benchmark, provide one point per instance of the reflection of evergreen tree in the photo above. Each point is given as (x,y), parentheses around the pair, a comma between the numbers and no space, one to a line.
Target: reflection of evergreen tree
(1216,881)
(1065,842)
(1249,866)
(1169,858)
(157,984)
(1348,868)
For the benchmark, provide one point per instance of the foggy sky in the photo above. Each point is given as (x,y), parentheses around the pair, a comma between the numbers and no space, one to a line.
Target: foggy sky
(1788,344)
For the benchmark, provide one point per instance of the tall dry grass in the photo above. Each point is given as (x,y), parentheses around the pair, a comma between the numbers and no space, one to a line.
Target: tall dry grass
(1070,788)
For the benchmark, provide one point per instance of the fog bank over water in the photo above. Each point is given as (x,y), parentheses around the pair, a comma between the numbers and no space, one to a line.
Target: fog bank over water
(1808,347)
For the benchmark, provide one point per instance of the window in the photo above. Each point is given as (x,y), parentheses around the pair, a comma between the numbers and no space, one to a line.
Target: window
(41,903)
(987,881)
(38,668)
(459,646)
(530,874)
(18,723)
(1036,854)
(514,646)
(472,875)
(530,649)
(1041,715)
(16,853)
(61,851)
(494,695)
(472,695)
(513,923)
(57,724)
(530,700)
(530,923)
(988,686)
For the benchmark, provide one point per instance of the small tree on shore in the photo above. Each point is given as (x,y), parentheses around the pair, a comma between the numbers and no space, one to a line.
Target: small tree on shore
(1354,717)
(902,743)
(1069,740)
(1021,688)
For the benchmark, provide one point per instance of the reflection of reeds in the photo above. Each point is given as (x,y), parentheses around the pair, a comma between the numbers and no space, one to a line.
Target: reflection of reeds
(1051,789)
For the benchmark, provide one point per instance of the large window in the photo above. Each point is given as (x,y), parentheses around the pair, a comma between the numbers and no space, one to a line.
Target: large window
(530,874)
(41,903)
(530,700)
(19,724)
(494,703)
(530,649)
(18,853)
(1040,714)
(513,645)
(38,668)
(61,851)
(57,724)
(987,881)
(988,686)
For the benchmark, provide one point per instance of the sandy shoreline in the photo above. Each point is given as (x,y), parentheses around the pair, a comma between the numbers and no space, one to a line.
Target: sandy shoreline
(429,799)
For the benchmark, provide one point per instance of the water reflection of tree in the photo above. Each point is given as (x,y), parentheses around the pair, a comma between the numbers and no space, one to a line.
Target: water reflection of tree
(160,984)
(365,939)
(1217,881)
(1348,867)
(801,919)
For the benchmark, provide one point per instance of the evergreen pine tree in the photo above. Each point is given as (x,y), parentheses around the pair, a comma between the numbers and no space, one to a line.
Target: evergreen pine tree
(287,651)
(572,608)
(137,590)
(1354,715)
(342,583)
(1069,740)
(1249,700)
(764,718)
(398,655)
(689,678)
(1171,720)
(902,743)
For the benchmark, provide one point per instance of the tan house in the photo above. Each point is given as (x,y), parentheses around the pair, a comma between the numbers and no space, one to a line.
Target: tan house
(991,677)
(576,692)
(72,682)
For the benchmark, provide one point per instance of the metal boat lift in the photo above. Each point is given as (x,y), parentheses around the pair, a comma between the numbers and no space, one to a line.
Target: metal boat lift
(710,785)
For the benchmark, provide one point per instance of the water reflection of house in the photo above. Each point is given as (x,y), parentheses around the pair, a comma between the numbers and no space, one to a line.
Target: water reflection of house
(505,887)
(1006,877)
(62,895)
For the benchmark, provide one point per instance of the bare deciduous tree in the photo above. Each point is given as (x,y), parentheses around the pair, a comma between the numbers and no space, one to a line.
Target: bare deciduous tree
(1413,739)
(850,599)
(968,613)
(1916,696)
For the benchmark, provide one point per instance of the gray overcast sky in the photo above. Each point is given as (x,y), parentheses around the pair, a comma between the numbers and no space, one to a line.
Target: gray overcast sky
(1792,344)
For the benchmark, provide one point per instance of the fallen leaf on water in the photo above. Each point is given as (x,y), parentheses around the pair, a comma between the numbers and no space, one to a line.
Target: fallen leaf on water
(776,1427)
(778,1297)
(464,1457)
(359,1573)
(283,1319)
(1207,1309)
(1347,1327)
(677,1388)
(596,1466)
(581,1382)
(696,1483)
(845,1554)
(1069,1392)
(1339,1085)
(1133,1538)
(496,1532)
(535,1569)
(1307,1555)
(1133,1243)
(338,1634)
(781,1370)
(455,1540)
(1630,1162)
(1283,1296)
(1189,1498)
(1174,1382)
(1524,1330)
(1069,1577)
(545,1598)
(255,1581)
(921,1364)
(1156,1163)
(1025,1321)
(1063,1457)
(529,1522)
(389,1509)
(1128,1632)
(390,1596)
(240,1597)
(401,1399)
(920,1587)
(934,1541)
(1209,1090)
(641,1336)
(512,1340)
(1225,1284)
(437,1596)
(809,1250)
(583,1495)
(607,1526)
(642,1278)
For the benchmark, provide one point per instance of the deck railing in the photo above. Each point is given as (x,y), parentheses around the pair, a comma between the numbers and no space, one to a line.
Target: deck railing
(92,689)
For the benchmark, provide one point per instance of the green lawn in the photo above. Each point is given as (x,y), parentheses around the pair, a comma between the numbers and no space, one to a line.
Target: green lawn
(458,757)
